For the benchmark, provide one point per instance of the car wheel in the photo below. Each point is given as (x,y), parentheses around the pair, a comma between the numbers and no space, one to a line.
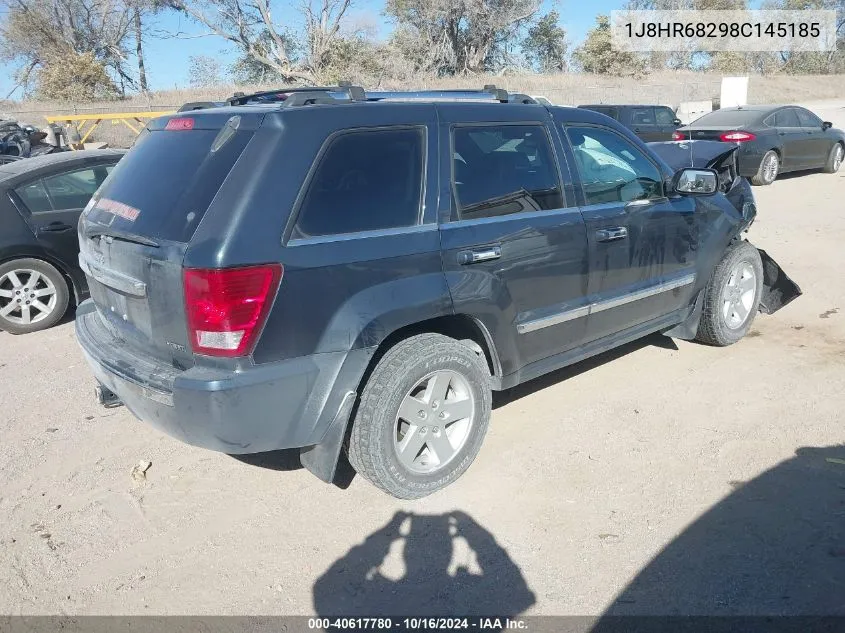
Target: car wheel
(768,170)
(422,416)
(33,296)
(834,160)
(732,296)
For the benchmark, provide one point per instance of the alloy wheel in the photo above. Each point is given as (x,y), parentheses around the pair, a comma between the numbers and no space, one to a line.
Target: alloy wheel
(434,421)
(26,297)
(738,295)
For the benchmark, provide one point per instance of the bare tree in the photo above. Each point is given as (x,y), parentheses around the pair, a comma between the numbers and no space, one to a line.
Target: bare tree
(457,36)
(249,25)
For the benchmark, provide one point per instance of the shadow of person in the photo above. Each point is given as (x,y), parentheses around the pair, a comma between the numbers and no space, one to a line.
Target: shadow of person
(424,565)
(775,546)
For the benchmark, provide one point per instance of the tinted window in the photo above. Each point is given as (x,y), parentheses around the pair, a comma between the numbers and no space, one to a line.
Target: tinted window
(607,111)
(73,190)
(786,118)
(729,118)
(34,196)
(642,116)
(664,116)
(166,182)
(366,180)
(611,168)
(499,170)
(807,118)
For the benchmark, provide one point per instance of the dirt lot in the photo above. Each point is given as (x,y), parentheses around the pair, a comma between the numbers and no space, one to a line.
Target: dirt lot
(661,478)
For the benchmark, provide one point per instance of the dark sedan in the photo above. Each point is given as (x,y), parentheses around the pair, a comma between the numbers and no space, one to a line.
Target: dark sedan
(772,139)
(40,202)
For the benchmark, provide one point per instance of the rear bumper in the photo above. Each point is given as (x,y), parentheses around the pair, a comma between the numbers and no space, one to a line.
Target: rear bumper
(289,404)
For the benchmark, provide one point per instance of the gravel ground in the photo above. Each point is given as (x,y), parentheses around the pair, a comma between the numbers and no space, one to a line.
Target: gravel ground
(660,478)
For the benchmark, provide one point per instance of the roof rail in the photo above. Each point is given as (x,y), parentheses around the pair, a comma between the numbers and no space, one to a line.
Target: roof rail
(488,93)
(322,94)
(345,92)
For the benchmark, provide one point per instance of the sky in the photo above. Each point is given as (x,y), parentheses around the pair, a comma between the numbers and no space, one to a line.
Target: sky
(166,56)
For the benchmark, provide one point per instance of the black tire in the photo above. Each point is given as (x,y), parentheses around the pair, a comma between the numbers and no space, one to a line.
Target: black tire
(371,444)
(834,159)
(763,176)
(10,322)
(715,328)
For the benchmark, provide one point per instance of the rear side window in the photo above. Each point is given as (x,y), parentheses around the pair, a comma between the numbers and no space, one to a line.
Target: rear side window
(642,116)
(165,184)
(664,116)
(499,170)
(786,118)
(71,190)
(365,180)
(34,196)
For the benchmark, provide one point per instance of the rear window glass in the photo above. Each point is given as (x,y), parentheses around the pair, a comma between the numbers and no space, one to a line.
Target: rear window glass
(611,112)
(728,117)
(164,185)
(366,180)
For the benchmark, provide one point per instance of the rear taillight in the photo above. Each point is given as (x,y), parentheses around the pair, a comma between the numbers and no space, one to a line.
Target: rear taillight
(736,137)
(678,136)
(226,307)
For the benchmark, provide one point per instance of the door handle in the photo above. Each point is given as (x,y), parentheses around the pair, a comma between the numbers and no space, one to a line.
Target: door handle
(480,255)
(611,235)
(55,227)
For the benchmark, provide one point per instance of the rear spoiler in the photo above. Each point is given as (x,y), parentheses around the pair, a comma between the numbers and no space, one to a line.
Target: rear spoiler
(200,105)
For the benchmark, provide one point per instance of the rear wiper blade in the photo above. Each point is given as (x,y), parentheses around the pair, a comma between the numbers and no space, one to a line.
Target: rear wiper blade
(121,235)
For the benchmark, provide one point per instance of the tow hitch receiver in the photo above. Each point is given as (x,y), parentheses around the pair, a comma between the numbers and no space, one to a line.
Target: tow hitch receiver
(106,397)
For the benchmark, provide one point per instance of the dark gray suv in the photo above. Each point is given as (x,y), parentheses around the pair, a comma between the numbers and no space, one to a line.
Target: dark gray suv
(328,268)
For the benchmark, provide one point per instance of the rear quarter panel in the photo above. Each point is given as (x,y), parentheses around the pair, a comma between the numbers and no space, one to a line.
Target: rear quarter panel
(338,293)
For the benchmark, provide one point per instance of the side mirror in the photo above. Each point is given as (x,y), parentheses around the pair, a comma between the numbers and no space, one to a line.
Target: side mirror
(677,122)
(695,182)
(827,125)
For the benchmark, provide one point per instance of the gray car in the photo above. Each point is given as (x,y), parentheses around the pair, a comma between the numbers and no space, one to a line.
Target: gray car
(772,139)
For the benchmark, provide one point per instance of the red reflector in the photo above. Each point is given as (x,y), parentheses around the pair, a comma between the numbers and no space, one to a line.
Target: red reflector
(180,123)
(678,136)
(737,137)
(226,307)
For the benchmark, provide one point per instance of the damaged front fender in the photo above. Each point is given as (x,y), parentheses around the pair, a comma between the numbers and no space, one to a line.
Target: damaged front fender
(778,288)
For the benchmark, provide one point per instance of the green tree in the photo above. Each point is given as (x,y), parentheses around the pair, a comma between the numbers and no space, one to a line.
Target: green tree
(545,45)
(37,33)
(596,54)
(75,77)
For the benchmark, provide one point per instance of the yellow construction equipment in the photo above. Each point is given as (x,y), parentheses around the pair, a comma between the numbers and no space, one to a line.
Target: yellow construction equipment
(86,123)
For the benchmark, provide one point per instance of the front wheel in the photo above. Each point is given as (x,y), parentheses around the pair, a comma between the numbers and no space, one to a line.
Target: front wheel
(422,416)
(834,159)
(732,296)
